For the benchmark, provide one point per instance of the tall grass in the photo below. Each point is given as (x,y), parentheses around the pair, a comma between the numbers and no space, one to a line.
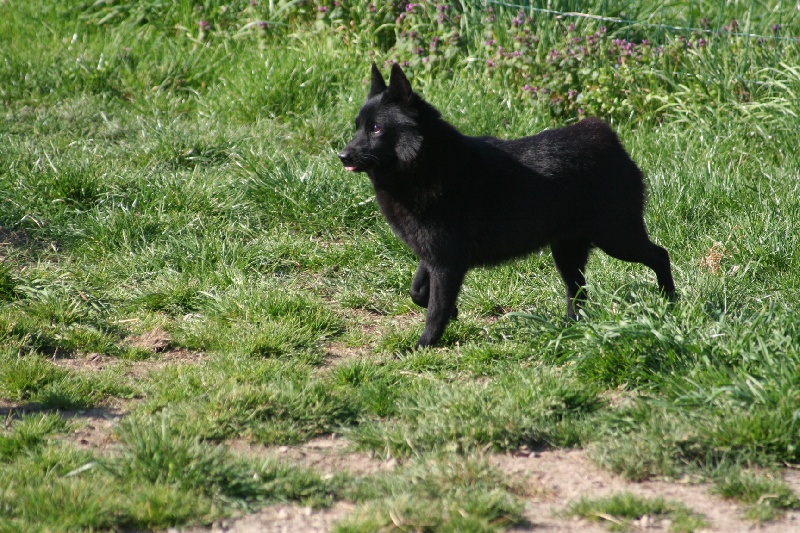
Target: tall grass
(171,167)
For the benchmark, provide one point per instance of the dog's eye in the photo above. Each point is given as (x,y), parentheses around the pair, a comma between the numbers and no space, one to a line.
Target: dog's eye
(375,128)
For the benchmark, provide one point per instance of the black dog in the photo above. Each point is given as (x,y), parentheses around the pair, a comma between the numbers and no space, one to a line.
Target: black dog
(459,202)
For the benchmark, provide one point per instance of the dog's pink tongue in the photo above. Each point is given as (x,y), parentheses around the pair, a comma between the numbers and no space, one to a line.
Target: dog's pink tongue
(350,169)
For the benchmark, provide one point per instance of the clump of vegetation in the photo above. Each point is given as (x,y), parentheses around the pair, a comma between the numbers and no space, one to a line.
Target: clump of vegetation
(590,66)
(621,512)
(441,493)
(767,496)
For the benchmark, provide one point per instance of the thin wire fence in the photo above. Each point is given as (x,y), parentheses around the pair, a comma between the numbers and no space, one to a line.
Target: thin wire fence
(759,20)
(626,58)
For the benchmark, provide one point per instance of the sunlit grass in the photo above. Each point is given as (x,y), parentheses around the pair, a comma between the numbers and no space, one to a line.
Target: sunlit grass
(162,174)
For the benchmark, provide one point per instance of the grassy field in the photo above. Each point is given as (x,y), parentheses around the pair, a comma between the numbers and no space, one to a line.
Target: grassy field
(181,249)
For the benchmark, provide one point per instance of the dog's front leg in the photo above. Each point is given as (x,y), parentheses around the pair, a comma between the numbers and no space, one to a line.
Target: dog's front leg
(421,285)
(421,288)
(445,284)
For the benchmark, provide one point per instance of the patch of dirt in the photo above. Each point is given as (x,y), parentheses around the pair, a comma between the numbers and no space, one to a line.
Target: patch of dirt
(142,369)
(96,362)
(547,481)
(21,240)
(159,341)
(792,478)
(564,476)
(90,362)
(368,326)
(326,455)
(95,427)
(156,340)
(338,352)
(373,324)
(91,428)
(280,519)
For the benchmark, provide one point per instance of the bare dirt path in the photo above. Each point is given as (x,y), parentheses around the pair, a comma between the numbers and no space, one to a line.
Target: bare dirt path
(554,478)
(567,475)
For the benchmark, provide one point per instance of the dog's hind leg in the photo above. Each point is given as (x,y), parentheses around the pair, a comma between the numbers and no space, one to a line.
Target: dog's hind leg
(634,246)
(570,257)
(445,284)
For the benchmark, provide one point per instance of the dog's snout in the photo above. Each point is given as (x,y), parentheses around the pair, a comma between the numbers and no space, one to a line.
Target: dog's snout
(348,161)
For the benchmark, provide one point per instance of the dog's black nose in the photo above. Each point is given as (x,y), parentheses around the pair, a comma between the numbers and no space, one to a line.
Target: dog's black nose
(347,160)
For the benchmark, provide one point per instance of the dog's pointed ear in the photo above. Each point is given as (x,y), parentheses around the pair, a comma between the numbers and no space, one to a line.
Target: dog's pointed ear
(399,86)
(378,83)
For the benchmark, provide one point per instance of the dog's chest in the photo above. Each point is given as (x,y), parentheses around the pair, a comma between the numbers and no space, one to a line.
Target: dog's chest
(419,234)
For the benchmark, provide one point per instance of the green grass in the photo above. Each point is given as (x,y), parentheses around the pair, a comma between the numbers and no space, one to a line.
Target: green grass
(524,408)
(441,493)
(767,497)
(160,477)
(619,512)
(160,175)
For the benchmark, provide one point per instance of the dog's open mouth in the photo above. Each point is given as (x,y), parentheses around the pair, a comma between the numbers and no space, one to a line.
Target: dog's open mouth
(350,168)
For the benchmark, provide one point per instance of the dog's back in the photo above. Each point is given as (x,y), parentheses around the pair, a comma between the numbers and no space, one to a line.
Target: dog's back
(562,183)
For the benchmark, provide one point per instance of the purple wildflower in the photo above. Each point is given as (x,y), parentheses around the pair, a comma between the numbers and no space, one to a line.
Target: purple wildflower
(733,26)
